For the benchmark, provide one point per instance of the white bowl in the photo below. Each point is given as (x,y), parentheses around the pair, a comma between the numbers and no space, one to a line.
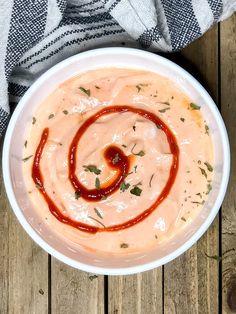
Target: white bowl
(14,141)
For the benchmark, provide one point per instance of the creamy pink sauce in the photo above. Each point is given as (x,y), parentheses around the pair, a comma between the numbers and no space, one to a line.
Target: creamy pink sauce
(64,111)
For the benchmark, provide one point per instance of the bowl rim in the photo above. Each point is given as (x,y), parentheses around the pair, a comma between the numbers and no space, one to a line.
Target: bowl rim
(98,269)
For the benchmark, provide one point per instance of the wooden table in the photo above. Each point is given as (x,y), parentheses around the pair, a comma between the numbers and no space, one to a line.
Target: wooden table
(33,282)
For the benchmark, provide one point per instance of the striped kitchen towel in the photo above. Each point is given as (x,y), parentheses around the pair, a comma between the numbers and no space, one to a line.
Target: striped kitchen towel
(36,34)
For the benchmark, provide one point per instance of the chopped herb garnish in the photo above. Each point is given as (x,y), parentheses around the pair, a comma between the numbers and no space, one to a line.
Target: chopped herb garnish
(104,197)
(203,171)
(99,222)
(97,87)
(163,110)
(209,167)
(116,159)
(135,168)
(25,144)
(41,291)
(134,128)
(127,174)
(138,88)
(150,182)
(182,119)
(124,186)
(158,126)
(165,103)
(199,194)
(136,191)
(194,106)
(84,90)
(209,188)
(199,162)
(92,168)
(33,120)
(51,116)
(199,203)
(215,257)
(98,213)
(97,183)
(141,153)
(27,158)
(124,145)
(182,218)
(60,144)
(92,277)
(65,111)
(77,195)
(124,245)
(38,186)
(206,129)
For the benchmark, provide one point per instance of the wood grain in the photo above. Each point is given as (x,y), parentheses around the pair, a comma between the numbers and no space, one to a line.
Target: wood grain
(74,291)
(23,266)
(228,105)
(191,281)
(136,294)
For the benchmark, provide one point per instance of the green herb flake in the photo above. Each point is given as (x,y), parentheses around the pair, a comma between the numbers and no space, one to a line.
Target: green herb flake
(199,194)
(77,195)
(182,119)
(158,126)
(92,277)
(38,186)
(124,245)
(141,153)
(99,222)
(86,91)
(124,145)
(97,212)
(116,159)
(134,128)
(209,167)
(163,110)
(209,188)
(41,291)
(150,182)
(27,158)
(97,183)
(51,116)
(136,191)
(104,197)
(65,112)
(198,203)
(138,88)
(92,168)
(203,171)
(206,129)
(182,218)
(33,120)
(215,257)
(135,168)
(25,144)
(97,87)
(194,106)
(124,186)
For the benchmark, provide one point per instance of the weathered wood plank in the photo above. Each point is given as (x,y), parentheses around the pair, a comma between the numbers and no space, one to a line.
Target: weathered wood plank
(74,291)
(191,281)
(136,294)
(228,105)
(23,266)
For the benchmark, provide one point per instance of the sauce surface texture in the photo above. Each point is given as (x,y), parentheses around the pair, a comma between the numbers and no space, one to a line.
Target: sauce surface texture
(118,160)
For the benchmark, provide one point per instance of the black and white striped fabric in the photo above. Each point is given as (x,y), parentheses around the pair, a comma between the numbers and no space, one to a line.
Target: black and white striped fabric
(36,34)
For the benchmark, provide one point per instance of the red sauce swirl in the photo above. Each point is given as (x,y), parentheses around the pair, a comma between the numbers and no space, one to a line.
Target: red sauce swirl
(121,165)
